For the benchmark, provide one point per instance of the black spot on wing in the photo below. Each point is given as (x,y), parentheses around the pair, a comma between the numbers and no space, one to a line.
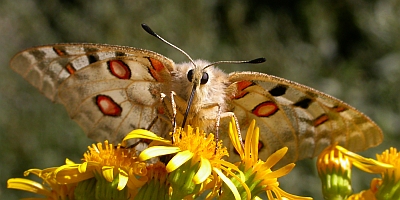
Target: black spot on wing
(120,54)
(304,103)
(92,58)
(279,90)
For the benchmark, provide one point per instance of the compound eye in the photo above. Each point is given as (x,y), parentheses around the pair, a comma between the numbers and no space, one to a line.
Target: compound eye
(204,78)
(190,75)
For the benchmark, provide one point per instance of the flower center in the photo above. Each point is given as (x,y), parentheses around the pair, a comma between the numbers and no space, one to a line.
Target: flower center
(199,143)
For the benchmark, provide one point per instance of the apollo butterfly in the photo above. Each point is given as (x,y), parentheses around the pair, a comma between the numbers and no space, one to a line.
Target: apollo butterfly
(111,90)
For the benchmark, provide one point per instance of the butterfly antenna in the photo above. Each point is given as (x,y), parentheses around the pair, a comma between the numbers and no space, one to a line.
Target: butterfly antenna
(254,61)
(151,32)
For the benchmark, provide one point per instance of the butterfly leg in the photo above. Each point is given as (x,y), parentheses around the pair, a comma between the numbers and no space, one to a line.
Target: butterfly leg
(223,115)
(173,105)
(217,124)
(162,116)
(173,112)
(166,116)
(231,114)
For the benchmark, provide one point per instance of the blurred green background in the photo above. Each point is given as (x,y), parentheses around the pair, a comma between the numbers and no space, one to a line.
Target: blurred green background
(348,49)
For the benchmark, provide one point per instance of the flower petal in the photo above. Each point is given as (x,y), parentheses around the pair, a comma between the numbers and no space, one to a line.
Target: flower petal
(255,143)
(144,134)
(82,167)
(108,173)
(229,165)
(275,157)
(27,185)
(178,160)
(241,179)
(233,135)
(71,175)
(123,179)
(366,164)
(278,173)
(69,162)
(204,172)
(66,167)
(37,172)
(249,137)
(228,182)
(155,151)
(290,196)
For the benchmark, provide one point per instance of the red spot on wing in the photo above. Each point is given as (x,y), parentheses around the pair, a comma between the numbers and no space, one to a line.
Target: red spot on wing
(242,85)
(157,67)
(339,108)
(265,109)
(119,69)
(108,106)
(320,120)
(70,68)
(59,52)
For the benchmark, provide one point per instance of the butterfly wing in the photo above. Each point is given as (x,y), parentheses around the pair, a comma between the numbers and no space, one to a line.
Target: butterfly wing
(108,90)
(301,118)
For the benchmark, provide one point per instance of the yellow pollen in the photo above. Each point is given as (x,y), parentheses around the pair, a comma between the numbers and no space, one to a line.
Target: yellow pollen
(112,156)
(199,143)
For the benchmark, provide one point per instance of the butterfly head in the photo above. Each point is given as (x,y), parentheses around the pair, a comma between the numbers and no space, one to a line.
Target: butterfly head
(197,76)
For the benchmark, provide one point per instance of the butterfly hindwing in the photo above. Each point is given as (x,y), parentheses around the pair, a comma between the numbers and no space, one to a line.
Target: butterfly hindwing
(109,90)
(299,117)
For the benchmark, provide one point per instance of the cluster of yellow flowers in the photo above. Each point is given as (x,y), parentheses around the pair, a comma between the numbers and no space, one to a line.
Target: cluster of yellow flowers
(197,169)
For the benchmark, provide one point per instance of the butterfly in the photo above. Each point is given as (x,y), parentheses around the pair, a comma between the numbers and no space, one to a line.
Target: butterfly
(110,90)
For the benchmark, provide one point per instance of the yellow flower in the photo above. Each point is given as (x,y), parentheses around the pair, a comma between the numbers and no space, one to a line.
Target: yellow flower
(368,194)
(389,186)
(258,174)
(112,163)
(197,161)
(107,172)
(49,188)
(334,168)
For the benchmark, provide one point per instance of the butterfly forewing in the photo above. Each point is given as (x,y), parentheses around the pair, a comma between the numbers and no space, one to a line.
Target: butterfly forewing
(108,90)
(299,117)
